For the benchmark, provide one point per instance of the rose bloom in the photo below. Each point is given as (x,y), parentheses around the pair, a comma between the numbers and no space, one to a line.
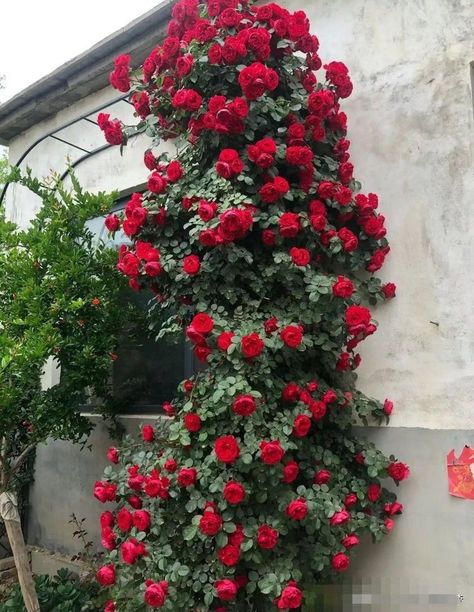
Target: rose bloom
(290,472)
(350,540)
(339,518)
(373,492)
(234,492)
(387,407)
(350,500)
(388,289)
(267,537)
(343,287)
(291,392)
(389,524)
(174,171)
(135,502)
(106,575)
(112,223)
(322,477)
(124,519)
(226,449)
(297,509)
(340,562)
(252,345)
(271,452)
(113,455)
(105,491)
(110,606)
(202,323)
(192,422)
(170,465)
(229,555)
(244,405)
(398,471)
(289,224)
(300,257)
(224,340)
(148,434)
(187,477)
(291,597)
(301,425)
(393,508)
(226,589)
(292,335)
(131,550)
(107,519)
(210,523)
(155,594)
(191,264)
(141,520)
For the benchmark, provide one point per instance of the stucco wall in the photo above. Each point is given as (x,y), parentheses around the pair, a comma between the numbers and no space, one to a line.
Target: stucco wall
(410,123)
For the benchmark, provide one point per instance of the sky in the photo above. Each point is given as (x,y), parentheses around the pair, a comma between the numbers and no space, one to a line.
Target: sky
(38,36)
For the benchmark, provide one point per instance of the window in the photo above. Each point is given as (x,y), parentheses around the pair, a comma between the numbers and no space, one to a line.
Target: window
(146,372)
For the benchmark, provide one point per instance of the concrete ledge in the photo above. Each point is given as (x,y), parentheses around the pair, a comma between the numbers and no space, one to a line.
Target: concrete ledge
(44,561)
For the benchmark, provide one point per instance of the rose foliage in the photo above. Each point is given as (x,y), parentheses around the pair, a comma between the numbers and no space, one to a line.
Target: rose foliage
(259,244)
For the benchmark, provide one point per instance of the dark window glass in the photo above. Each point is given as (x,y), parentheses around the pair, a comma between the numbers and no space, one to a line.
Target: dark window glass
(147,372)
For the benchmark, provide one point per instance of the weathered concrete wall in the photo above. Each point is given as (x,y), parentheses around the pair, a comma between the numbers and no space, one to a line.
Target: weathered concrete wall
(410,123)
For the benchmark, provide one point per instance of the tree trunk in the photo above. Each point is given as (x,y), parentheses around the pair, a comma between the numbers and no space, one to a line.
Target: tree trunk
(9,514)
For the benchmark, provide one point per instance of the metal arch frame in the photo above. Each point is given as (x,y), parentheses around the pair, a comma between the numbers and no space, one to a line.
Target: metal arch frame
(53,134)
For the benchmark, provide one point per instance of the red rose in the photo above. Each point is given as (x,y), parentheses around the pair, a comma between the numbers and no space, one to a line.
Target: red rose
(297,509)
(267,537)
(226,590)
(289,224)
(192,422)
(274,189)
(229,163)
(393,508)
(152,268)
(107,519)
(268,237)
(110,606)
(202,323)
(339,518)
(244,405)
(389,524)
(124,519)
(191,264)
(229,555)
(106,575)
(350,500)
(131,550)
(291,598)
(340,562)
(184,64)
(207,210)
(252,345)
(350,540)
(226,448)
(187,99)
(141,520)
(388,289)
(234,224)
(398,471)
(357,318)
(170,465)
(292,335)
(234,492)
(373,492)
(322,477)
(174,171)
(301,426)
(318,409)
(349,240)
(148,433)
(300,257)
(299,156)
(387,407)
(270,325)
(343,287)
(224,340)
(157,183)
(210,523)
(113,455)
(112,223)
(271,452)
(376,261)
(187,477)
(290,472)
(134,501)
(155,594)
(291,392)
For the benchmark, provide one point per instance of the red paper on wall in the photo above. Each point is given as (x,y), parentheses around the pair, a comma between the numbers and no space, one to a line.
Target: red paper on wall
(461,473)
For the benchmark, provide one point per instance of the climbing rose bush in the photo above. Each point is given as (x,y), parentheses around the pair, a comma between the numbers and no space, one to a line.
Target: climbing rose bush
(257,241)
